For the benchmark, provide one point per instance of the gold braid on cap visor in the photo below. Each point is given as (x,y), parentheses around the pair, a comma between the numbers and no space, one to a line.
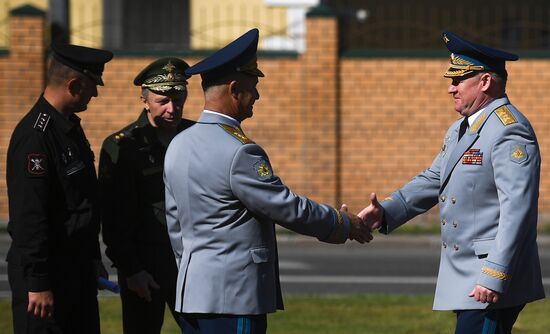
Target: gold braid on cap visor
(166,82)
(460,67)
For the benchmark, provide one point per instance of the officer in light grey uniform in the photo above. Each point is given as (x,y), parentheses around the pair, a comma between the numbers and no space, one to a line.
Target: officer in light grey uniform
(223,199)
(486,182)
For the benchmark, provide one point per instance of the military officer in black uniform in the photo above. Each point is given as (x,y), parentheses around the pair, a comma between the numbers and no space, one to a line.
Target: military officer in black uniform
(54,258)
(132,192)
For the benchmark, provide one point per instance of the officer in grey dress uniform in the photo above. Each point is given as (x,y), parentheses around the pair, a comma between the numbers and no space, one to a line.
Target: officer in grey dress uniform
(223,199)
(486,182)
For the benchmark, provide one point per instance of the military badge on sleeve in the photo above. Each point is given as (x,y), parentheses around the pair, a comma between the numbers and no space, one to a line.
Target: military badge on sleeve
(518,153)
(37,164)
(263,169)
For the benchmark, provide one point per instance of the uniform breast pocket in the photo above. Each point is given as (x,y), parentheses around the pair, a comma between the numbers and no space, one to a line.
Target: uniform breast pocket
(261,255)
(74,167)
(483,246)
(150,186)
(77,183)
(262,268)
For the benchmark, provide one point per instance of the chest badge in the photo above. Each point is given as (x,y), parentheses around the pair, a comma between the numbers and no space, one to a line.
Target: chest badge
(472,157)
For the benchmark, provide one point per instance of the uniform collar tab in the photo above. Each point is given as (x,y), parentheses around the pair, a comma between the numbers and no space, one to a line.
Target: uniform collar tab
(209,116)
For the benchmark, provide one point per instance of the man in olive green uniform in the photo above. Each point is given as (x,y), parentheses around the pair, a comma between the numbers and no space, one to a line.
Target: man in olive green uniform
(132,194)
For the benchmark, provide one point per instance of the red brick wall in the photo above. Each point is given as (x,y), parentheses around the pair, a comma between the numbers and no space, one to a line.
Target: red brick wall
(394,116)
(393,113)
(21,82)
(273,126)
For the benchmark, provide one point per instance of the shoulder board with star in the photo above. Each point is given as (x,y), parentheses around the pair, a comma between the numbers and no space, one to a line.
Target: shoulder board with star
(236,133)
(505,115)
(42,122)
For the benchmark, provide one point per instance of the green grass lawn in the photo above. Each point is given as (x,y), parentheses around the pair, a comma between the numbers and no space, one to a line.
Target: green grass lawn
(370,314)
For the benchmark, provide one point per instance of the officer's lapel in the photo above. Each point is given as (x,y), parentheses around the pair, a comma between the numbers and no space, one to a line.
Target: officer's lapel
(469,139)
(462,146)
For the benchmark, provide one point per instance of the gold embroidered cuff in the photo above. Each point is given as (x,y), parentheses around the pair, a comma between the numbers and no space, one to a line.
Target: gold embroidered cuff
(495,273)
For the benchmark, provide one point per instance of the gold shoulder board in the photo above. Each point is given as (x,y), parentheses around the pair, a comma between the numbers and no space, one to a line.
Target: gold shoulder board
(236,133)
(505,115)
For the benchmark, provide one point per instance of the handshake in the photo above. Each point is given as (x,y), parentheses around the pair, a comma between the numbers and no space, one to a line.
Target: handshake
(365,222)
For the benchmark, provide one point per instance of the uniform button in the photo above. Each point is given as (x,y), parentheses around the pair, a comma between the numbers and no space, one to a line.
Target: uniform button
(455,224)
(453,200)
(444,244)
(443,198)
(455,247)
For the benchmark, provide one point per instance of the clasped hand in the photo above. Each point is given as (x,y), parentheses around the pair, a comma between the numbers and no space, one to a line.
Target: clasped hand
(368,220)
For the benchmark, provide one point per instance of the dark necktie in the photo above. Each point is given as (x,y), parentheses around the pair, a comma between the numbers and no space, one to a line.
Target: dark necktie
(463,127)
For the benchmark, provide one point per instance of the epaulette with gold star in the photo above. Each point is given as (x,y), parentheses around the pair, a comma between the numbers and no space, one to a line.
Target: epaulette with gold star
(237,133)
(505,115)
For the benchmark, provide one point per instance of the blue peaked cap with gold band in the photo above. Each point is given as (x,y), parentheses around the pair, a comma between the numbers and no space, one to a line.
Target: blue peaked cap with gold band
(238,56)
(468,57)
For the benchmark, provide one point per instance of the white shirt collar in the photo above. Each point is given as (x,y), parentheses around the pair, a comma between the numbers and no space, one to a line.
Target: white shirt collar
(472,118)
(220,114)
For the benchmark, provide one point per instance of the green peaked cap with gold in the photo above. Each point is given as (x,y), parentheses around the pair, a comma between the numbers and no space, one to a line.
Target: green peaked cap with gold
(163,75)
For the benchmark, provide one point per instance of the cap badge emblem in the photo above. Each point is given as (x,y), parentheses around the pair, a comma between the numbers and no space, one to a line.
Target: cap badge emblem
(169,67)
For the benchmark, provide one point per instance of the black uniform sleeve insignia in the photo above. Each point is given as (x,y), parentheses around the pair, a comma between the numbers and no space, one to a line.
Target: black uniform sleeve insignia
(37,164)
(41,122)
